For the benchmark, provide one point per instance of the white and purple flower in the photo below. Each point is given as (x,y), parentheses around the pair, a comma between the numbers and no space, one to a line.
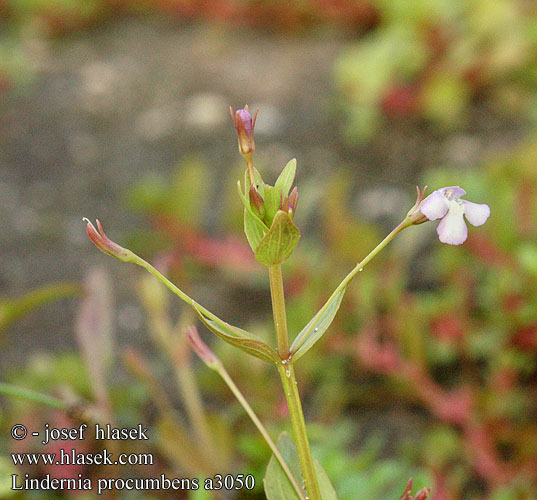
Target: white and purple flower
(445,204)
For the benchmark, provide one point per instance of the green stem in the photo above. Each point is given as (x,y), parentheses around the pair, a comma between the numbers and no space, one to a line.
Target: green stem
(29,395)
(358,268)
(278,309)
(250,165)
(235,390)
(287,375)
(177,291)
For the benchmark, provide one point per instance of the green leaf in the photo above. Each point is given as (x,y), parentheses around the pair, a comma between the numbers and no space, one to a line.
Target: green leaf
(272,203)
(278,244)
(254,229)
(314,330)
(286,178)
(246,341)
(277,484)
(243,197)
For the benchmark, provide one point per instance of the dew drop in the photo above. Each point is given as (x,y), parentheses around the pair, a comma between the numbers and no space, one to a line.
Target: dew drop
(288,373)
(316,329)
(361,269)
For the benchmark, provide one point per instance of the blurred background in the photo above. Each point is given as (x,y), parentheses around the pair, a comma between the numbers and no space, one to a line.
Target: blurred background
(118,109)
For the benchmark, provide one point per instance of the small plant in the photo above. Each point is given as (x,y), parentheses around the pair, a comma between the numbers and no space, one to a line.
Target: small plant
(433,62)
(273,236)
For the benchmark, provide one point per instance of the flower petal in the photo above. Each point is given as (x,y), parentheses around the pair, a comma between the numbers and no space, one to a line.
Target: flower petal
(452,192)
(476,213)
(435,206)
(452,228)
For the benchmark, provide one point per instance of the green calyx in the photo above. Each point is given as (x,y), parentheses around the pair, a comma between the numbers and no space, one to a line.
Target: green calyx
(268,216)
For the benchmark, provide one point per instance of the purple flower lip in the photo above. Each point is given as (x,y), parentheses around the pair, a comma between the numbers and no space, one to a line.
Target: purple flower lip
(445,204)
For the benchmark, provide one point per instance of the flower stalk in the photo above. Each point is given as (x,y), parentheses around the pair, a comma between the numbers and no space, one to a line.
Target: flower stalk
(358,268)
(213,362)
(103,243)
(260,427)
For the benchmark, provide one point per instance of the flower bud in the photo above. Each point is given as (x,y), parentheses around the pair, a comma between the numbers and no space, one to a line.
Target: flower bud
(256,202)
(201,348)
(290,202)
(408,489)
(420,495)
(105,244)
(244,124)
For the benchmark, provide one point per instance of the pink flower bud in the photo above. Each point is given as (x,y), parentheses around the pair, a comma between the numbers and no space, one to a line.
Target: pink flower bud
(290,202)
(105,244)
(201,348)
(408,489)
(244,124)
(420,495)
(256,202)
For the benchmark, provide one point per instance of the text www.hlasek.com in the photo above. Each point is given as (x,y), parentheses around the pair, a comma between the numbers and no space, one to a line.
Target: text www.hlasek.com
(71,457)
